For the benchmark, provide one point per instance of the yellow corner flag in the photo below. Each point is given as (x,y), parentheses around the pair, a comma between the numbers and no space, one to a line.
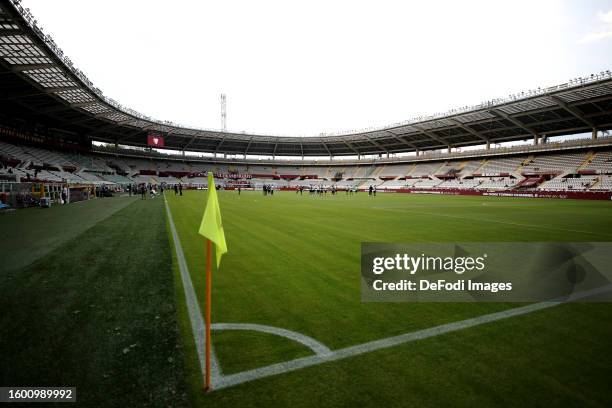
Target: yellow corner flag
(212,227)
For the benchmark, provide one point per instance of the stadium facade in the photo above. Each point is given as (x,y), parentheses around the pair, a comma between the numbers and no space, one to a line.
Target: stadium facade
(51,113)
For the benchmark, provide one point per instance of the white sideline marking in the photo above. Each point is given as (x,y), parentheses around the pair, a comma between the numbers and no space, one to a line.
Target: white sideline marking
(324,354)
(193,307)
(318,348)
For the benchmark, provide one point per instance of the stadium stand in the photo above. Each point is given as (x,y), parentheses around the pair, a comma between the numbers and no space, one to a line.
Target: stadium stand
(565,171)
(556,163)
(501,165)
(497,183)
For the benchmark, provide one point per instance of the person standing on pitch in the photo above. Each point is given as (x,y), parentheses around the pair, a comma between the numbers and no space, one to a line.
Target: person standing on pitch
(370,190)
(180,189)
(374,191)
(175,189)
(239,189)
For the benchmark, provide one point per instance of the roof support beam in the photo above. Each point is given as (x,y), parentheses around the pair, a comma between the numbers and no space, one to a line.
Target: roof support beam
(515,122)
(110,126)
(61,88)
(31,67)
(571,110)
(350,147)
(68,107)
(324,145)
(375,143)
(469,130)
(248,146)
(10,31)
(432,135)
(219,145)
(193,138)
(129,135)
(407,143)
(44,91)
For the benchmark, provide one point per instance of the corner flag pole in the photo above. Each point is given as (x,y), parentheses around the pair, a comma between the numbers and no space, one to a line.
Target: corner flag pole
(211,228)
(207,386)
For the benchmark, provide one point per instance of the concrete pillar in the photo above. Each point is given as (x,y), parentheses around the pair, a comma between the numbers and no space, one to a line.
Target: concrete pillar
(536,140)
(387,155)
(449,149)
(488,144)
(183,153)
(417,152)
(358,157)
(594,134)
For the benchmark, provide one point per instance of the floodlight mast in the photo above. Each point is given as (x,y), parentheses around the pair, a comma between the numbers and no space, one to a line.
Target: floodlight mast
(223,113)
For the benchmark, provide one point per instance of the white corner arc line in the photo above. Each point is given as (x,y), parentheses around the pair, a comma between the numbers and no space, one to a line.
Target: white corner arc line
(317,347)
(193,307)
(287,366)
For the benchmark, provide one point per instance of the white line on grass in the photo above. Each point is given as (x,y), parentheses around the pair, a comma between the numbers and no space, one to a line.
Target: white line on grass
(274,369)
(193,307)
(322,353)
(317,347)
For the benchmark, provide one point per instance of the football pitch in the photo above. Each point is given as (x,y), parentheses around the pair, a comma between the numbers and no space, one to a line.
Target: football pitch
(100,304)
(293,263)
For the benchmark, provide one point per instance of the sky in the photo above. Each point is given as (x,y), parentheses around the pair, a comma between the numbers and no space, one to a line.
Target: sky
(311,67)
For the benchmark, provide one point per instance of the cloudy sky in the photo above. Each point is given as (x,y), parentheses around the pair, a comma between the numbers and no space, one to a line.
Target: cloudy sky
(303,68)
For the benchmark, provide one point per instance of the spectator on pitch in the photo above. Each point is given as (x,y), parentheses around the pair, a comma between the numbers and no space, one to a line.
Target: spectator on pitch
(374,191)
(370,190)
(64,195)
(180,189)
(143,194)
(175,189)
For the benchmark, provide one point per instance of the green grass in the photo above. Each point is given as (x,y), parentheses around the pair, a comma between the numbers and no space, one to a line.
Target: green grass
(293,262)
(99,311)
(82,283)
(31,233)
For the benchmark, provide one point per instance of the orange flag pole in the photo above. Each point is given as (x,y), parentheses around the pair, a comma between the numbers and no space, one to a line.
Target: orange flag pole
(207,386)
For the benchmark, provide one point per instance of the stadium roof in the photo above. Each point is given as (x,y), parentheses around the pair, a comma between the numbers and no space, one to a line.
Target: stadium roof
(40,84)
